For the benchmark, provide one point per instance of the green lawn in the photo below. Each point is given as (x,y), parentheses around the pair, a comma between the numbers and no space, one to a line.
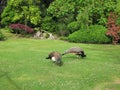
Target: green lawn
(23,66)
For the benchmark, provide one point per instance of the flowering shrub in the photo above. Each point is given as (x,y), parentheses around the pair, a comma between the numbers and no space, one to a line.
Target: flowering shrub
(20,28)
(113,29)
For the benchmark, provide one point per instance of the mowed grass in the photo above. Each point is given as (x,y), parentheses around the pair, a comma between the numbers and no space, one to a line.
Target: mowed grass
(23,66)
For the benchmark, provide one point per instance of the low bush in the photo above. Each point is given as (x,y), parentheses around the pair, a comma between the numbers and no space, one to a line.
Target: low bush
(64,38)
(73,26)
(94,34)
(2,37)
(20,28)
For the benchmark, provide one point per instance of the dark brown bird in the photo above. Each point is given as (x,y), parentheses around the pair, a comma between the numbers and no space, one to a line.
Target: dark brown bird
(76,50)
(56,57)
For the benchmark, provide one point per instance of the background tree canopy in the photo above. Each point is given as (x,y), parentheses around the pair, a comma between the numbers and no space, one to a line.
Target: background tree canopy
(62,17)
(21,11)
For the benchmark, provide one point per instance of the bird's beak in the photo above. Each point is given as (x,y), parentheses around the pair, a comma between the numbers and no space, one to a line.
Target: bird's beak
(47,58)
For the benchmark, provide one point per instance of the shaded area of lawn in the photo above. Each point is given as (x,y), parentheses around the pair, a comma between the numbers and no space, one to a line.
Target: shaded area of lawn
(23,66)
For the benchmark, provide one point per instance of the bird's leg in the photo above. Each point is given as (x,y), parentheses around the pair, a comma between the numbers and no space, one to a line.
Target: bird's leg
(78,56)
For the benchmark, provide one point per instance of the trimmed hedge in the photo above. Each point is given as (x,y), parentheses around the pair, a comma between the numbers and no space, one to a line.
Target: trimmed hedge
(94,34)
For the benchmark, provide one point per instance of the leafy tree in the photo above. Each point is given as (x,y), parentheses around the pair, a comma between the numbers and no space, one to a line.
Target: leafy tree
(60,16)
(22,11)
(62,12)
(48,24)
(82,12)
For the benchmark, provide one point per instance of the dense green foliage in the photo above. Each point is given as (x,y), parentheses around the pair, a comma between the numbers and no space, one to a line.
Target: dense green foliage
(83,12)
(2,37)
(62,17)
(23,66)
(94,34)
(22,11)
(117,11)
(64,13)
(48,24)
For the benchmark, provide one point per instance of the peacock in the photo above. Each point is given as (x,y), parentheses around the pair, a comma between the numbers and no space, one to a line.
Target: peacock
(76,50)
(56,57)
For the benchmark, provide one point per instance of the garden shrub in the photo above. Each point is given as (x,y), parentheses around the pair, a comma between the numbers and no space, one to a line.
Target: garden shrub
(2,37)
(55,27)
(113,29)
(94,34)
(20,28)
(63,38)
(48,24)
(73,26)
(62,30)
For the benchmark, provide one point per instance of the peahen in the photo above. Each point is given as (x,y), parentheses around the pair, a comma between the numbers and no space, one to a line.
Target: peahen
(76,50)
(56,57)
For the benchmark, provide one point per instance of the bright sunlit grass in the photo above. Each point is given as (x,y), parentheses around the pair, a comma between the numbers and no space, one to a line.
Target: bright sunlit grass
(23,66)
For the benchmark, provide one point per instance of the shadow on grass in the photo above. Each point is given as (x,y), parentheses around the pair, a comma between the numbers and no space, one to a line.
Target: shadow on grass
(8,78)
